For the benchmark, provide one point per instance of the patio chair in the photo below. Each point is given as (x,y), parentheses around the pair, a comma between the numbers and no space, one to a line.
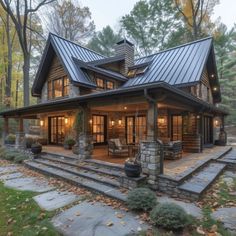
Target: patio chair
(115,148)
(172,150)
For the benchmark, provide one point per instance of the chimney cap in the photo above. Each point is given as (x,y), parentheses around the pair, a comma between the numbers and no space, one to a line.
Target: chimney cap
(125,41)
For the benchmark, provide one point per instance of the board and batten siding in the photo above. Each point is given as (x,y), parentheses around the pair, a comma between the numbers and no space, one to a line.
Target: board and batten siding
(57,71)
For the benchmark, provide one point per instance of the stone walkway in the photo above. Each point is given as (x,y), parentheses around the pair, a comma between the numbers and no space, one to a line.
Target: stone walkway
(83,218)
(89,218)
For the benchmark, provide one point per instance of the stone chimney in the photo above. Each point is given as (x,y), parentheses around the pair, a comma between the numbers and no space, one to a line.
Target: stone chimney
(126,48)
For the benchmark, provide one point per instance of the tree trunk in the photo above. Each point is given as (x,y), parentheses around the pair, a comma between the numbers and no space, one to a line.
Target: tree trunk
(26,70)
(9,61)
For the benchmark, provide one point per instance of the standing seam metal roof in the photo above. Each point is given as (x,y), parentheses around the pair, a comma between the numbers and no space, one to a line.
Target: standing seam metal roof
(66,50)
(176,66)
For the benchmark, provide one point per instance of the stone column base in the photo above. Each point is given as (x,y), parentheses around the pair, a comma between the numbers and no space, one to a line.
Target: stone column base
(152,161)
(20,138)
(84,147)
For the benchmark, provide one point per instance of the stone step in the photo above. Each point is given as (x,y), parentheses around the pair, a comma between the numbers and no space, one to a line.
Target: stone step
(87,165)
(109,180)
(199,182)
(104,189)
(64,156)
(105,164)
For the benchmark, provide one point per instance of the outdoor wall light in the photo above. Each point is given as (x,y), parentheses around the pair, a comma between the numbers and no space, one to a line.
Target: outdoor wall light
(161,120)
(125,108)
(212,76)
(66,120)
(217,123)
(198,117)
(215,88)
(112,123)
(41,123)
(119,121)
(90,121)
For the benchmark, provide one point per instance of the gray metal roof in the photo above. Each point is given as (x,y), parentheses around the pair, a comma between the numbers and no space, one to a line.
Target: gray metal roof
(175,66)
(66,50)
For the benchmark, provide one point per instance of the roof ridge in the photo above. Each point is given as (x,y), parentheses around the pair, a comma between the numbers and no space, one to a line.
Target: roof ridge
(179,46)
(77,44)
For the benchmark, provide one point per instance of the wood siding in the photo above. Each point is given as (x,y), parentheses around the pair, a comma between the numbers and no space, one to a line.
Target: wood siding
(56,71)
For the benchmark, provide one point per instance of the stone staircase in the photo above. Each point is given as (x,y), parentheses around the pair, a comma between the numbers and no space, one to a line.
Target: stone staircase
(195,181)
(94,175)
(200,181)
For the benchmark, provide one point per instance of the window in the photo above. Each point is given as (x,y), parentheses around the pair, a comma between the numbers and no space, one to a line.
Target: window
(110,85)
(100,83)
(58,87)
(137,71)
(104,84)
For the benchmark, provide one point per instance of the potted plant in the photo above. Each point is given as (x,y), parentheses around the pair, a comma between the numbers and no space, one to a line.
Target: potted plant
(28,142)
(10,139)
(36,148)
(69,143)
(132,167)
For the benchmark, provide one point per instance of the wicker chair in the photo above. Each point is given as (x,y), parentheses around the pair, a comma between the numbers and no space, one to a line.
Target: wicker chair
(172,150)
(115,148)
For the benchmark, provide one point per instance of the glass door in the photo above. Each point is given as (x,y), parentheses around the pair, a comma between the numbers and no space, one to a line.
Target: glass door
(208,127)
(135,129)
(56,130)
(99,129)
(177,127)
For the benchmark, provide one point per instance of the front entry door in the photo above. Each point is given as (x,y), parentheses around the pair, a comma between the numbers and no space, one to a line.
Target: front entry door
(177,127)
(56,130)
(135,129)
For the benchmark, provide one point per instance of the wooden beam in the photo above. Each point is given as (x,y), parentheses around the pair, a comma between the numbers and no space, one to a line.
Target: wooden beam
(152,121)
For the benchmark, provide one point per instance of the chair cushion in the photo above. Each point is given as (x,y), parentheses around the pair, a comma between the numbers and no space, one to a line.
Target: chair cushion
(117,143)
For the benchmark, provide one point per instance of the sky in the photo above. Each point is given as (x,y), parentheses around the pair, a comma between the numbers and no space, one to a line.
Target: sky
(106,12)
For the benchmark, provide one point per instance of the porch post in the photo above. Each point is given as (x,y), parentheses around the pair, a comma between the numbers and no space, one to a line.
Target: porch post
(152,121)
(84,144)
(5,129)
(152,149)
(20,134)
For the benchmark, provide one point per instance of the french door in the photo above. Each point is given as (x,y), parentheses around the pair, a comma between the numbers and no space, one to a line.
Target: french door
(99,129)
(56,129)
(208,129)
(176,127)
(135,129)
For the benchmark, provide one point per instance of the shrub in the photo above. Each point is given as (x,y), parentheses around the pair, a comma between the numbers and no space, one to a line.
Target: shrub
(28,142)
(169,216)
(20,158)
(11,138)
(141,199)
(70,142)
(10,155)
(2,152)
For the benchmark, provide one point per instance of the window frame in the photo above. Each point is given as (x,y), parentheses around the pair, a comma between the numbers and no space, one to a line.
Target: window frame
(64,87)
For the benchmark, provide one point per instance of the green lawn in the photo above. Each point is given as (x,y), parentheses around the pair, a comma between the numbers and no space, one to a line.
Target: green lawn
(21,216)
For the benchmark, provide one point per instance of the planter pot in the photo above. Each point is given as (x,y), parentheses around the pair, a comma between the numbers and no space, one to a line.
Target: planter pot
(67,146)
(36,150)
(132,170)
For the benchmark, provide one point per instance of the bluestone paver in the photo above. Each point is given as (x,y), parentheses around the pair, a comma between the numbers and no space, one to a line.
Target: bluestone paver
(28,184)
(55,199)
(227,216)
(97,220)
(11,176)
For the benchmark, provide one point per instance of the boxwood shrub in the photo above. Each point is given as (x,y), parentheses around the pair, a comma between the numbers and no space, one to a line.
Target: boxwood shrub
(169,216)
(141,199)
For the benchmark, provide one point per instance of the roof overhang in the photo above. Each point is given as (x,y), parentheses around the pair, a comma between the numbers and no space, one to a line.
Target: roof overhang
(154,89)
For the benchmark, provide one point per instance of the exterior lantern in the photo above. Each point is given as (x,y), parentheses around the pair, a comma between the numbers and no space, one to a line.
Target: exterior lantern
(41,123)
(66,120)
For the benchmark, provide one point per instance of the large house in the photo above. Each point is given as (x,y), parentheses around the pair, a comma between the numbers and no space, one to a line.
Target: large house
(169,95)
